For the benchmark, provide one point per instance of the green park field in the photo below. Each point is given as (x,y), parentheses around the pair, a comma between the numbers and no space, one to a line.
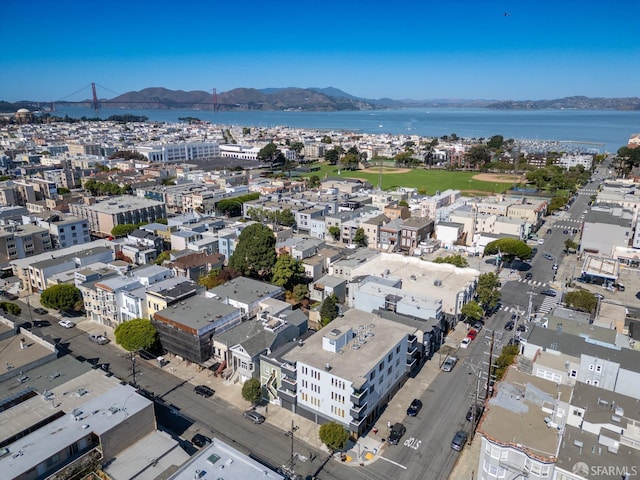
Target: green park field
(429,180)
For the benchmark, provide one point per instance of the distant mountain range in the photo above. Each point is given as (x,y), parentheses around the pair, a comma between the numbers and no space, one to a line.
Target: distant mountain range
(323,99)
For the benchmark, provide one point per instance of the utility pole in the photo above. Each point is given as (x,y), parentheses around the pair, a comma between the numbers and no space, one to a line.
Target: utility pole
(133,368)
(294,428)
(493,337)
(530,306)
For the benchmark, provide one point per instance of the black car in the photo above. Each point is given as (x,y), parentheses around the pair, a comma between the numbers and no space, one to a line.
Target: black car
(549,292)
(565,231)
(414,408)
(40,323)
(200,440)
(204,391)
(40,311)
(509,325)
(549,230)
(396,433)
(521,328)
(528,276)
(471,415)
(459,439)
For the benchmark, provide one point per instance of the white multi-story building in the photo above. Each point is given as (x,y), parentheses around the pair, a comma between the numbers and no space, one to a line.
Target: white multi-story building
(239,151)
(349,370)
(180,152)
(568,161)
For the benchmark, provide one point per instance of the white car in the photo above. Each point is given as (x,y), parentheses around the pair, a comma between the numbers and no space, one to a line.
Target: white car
(541,241)
(465,342)
(66,323)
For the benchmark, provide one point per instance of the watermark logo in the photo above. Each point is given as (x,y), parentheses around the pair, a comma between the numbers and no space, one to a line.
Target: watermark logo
(595,471)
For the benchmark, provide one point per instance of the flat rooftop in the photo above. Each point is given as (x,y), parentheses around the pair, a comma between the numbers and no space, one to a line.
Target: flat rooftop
(515,414)
(198,312)
(219,460)
(352,364)
(124,203)
(58,391)
(98,415)
(420,277)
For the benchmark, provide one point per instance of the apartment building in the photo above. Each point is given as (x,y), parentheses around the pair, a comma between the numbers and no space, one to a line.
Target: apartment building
(521,430)
(605,228)
(106,214)
(21,241)
(66,231)
(348,371)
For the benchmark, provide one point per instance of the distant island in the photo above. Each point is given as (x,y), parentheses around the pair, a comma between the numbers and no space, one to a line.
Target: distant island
(318,100)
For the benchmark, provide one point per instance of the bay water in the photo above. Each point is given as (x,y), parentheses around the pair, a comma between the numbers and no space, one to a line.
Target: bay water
(604,130)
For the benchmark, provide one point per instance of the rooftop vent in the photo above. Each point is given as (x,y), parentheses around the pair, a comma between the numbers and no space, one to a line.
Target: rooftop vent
(327,367)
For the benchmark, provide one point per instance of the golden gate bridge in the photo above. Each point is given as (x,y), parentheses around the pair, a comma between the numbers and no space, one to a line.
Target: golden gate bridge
(96,104)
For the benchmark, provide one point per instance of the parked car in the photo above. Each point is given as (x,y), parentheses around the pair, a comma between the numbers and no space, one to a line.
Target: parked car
(459,439)
(204,391)
(414,408)
(521,328)
(449,363)
(397,431)
(565,231)
(541,241)
(549,292)
(472,334)
(474,415)
(509,325)
(465,342)
(548,256)
(200,440)
(40,311)
(478,325)
(619,286)
(40,323)
(549,230)
(254,416)
(575,230)
(555,266)
(99,339)
(66,323)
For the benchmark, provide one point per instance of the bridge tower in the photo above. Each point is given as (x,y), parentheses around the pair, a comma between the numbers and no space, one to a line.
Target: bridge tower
(96,107)
(215,100)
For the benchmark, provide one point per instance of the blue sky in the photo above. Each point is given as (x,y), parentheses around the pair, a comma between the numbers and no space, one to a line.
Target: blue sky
(409,49)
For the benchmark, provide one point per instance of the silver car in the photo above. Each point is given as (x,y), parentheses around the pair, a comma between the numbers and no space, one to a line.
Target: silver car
(449,363)
(254,416)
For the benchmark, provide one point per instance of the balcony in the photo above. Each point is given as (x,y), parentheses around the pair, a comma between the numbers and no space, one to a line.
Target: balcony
(411,363)
(412,341)
(288,369)
(357,413)
(411,352)
(289,383)
(287,395)
(358,398)
(354,425)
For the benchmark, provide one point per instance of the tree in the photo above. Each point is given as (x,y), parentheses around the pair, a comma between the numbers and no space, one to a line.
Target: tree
(217,277)
(495,142)
(313,181)
(63,191)
(457,260)
(162,257)
(570,245)
(581,300)
(334,436)
(252,391)
(332,156)
(328,310)
(360,237)
(62,297)
(11,308)
(506,358)
(487,292)
(472,311)
(334,232)
(557,203)
(287,272)
(478,155)
(123,230)
(255,253)
(299,292)
(136,334)
(269,152)
(509,248)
